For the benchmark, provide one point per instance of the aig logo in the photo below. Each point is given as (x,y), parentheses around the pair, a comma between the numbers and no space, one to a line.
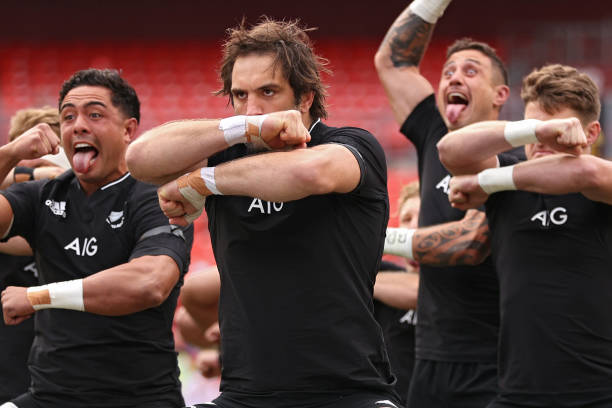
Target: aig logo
(89,246)
(557,216)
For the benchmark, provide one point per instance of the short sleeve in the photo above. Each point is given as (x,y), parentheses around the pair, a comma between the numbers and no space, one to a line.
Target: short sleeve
(152,233)
(370,156)
(24,199)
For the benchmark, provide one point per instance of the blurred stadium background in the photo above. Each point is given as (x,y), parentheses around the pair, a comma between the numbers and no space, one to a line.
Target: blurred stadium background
(169,51)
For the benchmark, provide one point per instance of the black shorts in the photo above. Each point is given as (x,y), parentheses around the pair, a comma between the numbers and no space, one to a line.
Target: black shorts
(437,384)
(27,400)
(561,400)
(346,401)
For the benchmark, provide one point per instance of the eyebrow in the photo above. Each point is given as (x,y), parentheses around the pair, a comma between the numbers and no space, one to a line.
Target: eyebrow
(88,104)
(468,59)
(264,86)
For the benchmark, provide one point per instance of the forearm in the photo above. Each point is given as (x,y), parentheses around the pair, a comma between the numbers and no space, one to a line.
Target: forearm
(172,149)
(397,289)
(140,284)
(464,242)
(16,246)
(8,161)
(564,174)
(473,148)
(290,175)
(398,59)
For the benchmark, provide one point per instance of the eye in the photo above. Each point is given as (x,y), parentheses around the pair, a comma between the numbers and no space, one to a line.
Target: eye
(240,95)
(95,115)
(268,92)
(471,71)
(449,73)
(67,117)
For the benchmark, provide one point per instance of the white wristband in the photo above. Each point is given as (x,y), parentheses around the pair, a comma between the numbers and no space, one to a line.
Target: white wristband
(57,295)
(234,129)
(498,179)
(196,187)
(521,132)
(429,10)
(399,242)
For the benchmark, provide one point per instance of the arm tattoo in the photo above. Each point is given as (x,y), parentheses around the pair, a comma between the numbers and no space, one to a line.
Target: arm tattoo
(408,39)
(464,242)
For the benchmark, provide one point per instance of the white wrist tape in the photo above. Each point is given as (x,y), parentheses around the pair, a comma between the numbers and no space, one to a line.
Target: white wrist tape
(254,126)
(498,179)
(58,295)
(429,10)
(234,129)
(399,242)
(521,133)
(195,187)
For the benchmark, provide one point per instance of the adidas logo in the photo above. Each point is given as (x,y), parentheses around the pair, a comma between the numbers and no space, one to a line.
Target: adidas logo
(57,207)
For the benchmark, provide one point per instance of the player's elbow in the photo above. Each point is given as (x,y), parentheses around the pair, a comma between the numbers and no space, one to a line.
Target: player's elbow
(135,159)
(590,176)
(448,155)
(314,176)
(382,62)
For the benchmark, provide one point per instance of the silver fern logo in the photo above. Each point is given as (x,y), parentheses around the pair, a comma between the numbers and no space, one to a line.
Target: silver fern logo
(115,219)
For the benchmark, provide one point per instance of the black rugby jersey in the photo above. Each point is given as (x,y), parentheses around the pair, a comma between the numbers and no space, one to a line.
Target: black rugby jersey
(553,254)
(458,306)
(398,329)
(15,341)
(296,284)
(84,359)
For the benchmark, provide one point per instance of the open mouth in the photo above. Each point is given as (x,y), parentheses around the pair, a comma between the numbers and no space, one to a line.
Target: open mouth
(84,157)
(456,102)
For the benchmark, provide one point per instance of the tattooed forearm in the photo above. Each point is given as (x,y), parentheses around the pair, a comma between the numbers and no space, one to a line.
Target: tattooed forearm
(464,242)
(407,39)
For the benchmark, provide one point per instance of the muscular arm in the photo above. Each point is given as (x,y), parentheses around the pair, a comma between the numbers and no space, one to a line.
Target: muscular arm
(397,63)
(171,150)
(140,284)
(287,176)
(273,176)
(475,147)
(563,174)
(166,152)
(462,242)
(397,289)
(17,246)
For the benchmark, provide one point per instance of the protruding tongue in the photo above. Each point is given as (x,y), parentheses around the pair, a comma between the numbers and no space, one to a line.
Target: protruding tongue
(453,110)
(82,160)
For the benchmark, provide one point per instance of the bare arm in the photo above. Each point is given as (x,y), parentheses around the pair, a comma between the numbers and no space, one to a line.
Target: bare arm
(273,176)
(461,242)
(564,174)
(168,151)
(140,284)
(397,289)
(475,147)
(397,63)
(17,246)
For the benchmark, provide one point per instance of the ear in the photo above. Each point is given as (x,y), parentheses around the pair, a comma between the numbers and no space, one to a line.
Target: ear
(130,126)
(502,92)
(592,132)
(306,102)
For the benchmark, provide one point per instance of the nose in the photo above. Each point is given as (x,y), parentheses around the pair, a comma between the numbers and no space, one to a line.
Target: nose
(254,106)
(80,125)
(456,78)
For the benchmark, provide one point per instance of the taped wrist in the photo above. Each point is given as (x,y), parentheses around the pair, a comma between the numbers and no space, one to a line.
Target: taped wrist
(57,295)
(429,10)
(498,179)
(242,128)
(21,174)
(195,187)
(521,132)
(399,242)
